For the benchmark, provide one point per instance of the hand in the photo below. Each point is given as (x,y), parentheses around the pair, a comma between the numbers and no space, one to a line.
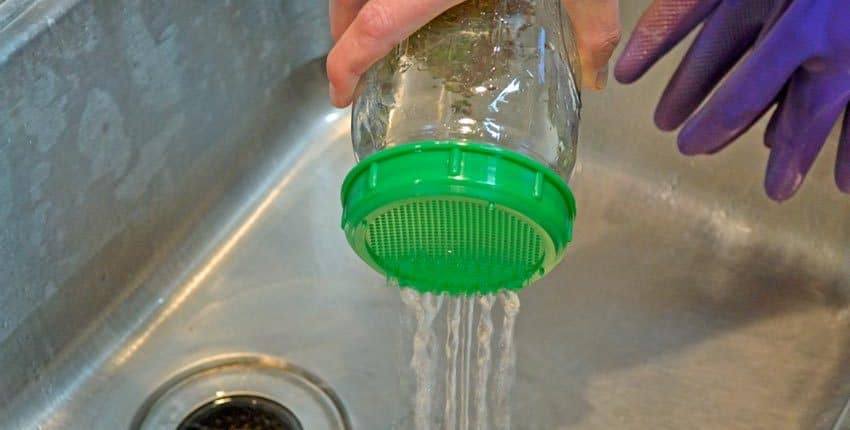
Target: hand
(597,27)
(800,54)
(366,30)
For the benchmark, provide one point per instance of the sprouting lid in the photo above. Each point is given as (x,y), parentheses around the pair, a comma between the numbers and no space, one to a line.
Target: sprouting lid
(457,217)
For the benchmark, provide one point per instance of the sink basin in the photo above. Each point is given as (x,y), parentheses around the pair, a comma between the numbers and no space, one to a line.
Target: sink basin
(169,195)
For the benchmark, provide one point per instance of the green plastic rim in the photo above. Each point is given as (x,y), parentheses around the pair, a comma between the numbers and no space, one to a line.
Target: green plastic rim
(457,217)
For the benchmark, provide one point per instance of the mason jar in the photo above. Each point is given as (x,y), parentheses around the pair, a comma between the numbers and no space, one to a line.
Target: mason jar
(500,72)
(465,136)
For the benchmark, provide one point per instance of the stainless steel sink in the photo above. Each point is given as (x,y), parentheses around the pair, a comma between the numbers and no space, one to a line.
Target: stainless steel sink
(169,196)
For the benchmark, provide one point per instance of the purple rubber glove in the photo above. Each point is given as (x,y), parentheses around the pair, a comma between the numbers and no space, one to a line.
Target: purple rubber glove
(800,57)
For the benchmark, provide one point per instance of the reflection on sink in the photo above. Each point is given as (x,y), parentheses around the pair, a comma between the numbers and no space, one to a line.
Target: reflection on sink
(687,300)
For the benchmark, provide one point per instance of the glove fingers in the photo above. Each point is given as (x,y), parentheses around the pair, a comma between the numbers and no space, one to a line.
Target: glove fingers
(664,24)
(746,94)
(777,10)
(728,34)
(798,130)
(842,161)
(769,133)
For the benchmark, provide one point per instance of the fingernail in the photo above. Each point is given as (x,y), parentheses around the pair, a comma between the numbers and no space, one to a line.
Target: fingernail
(602,77)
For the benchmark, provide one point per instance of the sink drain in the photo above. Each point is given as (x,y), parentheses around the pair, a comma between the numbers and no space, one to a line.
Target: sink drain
(241,413)
(244,392)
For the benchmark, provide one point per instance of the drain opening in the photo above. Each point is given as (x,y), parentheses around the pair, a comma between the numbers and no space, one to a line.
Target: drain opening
(241,392)
(241,413)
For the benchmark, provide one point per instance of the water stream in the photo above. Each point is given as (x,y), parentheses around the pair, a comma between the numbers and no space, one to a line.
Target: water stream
(462,360)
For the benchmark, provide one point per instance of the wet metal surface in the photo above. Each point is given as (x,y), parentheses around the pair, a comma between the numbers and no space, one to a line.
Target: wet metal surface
(687,300)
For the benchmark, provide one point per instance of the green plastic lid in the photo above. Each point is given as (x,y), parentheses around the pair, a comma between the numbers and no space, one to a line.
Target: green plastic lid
(457,217)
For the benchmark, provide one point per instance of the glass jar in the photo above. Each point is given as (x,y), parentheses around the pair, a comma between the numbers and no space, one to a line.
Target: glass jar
(466,137)
(500,72)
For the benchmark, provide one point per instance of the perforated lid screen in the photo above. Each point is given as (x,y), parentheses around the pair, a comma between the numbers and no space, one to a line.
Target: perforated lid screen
(457,217)
(455,245)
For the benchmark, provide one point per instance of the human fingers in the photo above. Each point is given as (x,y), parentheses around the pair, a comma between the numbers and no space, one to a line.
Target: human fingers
(597,29)
(378,27)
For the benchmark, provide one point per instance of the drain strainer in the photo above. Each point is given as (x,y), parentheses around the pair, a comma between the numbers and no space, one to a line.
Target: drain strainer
(243,393)
(241,413)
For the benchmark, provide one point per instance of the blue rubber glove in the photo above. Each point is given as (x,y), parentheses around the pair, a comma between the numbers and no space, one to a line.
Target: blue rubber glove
(800,58)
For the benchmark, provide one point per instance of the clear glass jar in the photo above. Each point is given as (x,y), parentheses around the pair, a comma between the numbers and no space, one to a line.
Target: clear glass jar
(466,138)
(500,72)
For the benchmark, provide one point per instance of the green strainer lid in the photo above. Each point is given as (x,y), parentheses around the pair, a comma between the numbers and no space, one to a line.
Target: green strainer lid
(457,217)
